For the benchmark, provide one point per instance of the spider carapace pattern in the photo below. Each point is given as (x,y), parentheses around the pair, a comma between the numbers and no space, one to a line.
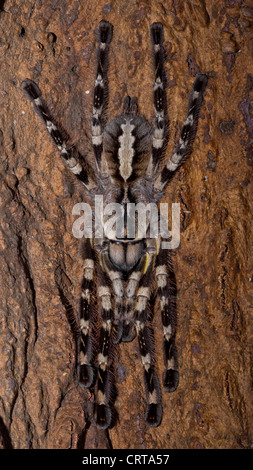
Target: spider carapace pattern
(131,167)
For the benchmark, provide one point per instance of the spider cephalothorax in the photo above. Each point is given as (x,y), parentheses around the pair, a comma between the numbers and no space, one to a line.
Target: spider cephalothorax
(130,272)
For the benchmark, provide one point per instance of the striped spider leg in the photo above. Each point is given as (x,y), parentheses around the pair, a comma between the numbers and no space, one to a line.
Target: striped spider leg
(100,89)
(85,340)
(103,409)
(70,155)
(153,414)
(184,146)
(166,284)
(160,133)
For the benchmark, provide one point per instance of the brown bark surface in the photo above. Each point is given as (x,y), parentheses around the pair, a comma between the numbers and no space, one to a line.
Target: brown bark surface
(53,43)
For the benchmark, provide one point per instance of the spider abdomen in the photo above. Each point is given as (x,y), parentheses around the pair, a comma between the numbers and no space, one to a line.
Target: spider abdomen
(127,147)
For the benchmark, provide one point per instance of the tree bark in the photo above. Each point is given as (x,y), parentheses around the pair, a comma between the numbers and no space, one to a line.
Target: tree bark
(53,43)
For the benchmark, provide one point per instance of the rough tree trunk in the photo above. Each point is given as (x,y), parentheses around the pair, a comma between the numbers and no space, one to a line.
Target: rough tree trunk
(54,44)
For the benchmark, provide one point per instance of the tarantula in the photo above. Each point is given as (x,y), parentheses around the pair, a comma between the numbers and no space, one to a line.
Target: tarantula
(131,273)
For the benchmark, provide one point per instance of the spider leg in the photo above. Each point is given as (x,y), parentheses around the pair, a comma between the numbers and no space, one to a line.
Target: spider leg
(100,88)
(116,280)
(165,280)
(153,413)
(184,146)
(103,411)
(128,330)
(123,313)
(70,154)
(85,370)
(160,102)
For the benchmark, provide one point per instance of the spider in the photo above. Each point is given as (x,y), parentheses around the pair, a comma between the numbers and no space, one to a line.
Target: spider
(130,273)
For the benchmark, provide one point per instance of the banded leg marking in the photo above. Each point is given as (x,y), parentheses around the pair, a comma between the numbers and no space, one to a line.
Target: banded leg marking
(115,277)
(153,413)
(134,278)
(160,103)
(167,294)
(188,132)
(70,155)
(86,373)
(103,412)
(100,89)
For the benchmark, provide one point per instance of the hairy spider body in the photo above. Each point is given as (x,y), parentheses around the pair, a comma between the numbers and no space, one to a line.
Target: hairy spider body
(130,272)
